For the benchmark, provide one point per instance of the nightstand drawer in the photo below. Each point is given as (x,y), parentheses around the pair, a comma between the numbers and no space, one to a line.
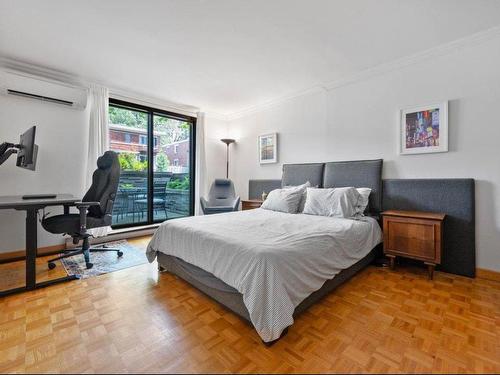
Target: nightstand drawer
(414,238)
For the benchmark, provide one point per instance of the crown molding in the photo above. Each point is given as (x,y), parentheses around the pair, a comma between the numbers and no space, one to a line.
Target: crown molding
(67,79)
(30,69)
(273,102)
(150,101)
(432,53)
(216,115)
(34,71)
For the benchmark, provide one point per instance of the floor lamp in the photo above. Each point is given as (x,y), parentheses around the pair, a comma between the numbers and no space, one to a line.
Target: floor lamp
(227,141)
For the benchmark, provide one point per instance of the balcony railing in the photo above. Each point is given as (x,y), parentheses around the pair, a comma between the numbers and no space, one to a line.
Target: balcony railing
(131,202)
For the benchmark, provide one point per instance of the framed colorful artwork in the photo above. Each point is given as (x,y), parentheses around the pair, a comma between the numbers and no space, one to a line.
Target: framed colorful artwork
(424,129)
(268,148)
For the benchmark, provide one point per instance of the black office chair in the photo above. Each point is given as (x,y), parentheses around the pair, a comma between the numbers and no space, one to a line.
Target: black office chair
(95,209)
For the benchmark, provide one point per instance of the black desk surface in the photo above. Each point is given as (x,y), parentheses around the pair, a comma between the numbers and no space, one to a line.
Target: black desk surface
(17,202)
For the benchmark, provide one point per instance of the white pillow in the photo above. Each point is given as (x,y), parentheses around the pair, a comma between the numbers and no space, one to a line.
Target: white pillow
(334,202)
(284,200)
(363,199)
(304,194)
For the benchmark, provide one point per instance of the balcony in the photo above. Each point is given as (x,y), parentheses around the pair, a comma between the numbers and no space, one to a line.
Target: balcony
(170,199)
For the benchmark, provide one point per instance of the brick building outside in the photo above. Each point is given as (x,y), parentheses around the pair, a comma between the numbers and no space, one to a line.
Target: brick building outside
(124,138)
(178,153)
(127,139)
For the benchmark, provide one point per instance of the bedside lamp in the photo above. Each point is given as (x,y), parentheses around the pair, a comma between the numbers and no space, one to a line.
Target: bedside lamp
(227,141)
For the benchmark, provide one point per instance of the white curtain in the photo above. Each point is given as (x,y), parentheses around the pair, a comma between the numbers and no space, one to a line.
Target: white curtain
(200,165)
(98,138)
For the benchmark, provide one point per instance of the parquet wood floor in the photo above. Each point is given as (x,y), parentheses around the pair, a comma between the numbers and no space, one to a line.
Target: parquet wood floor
(137,320)
(13,273)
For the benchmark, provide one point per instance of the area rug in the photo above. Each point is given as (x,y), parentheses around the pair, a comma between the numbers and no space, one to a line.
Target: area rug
(105,262)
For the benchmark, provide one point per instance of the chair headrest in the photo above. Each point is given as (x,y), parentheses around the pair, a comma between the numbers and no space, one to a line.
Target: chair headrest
(222,182)
(106,160)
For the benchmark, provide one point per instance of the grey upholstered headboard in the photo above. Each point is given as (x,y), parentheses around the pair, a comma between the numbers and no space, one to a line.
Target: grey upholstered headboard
(359,173)
(454,197)
(298,174)
(257,187)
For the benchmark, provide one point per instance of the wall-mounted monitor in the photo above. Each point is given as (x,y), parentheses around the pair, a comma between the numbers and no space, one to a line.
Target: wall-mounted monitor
(28,150)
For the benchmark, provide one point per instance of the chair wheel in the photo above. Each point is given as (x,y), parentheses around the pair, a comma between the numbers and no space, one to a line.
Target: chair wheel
(89,265)
(119,253)
(52,266)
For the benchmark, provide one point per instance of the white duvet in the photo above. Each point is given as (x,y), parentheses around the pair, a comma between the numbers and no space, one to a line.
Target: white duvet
(275,260)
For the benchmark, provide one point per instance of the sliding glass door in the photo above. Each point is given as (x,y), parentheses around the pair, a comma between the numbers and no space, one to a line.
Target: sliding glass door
(171,167)
(156,153)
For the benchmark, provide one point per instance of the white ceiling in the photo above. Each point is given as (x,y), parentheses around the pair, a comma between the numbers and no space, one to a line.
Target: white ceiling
(226,55)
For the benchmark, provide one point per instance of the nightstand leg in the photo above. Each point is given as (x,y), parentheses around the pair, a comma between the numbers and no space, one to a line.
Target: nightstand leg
(430,268)
(392,258)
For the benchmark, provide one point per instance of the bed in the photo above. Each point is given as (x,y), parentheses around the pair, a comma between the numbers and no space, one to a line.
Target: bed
(268,266)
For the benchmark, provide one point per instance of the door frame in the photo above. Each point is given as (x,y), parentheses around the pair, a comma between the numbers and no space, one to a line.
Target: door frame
(151,111)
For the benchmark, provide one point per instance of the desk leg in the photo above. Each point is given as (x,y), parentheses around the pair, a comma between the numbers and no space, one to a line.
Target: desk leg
(31,248)
(31,254)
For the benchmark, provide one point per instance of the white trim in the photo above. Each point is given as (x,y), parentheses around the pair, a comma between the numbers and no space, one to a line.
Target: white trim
(75,81)
(426,55)
(156,103)
(429,54)
(128,95)
(136,231)
(217,116)
(273,102)
(118,234)
(41,73)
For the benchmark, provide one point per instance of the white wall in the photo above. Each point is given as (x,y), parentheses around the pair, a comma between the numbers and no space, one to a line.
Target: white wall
(360,121)
(62,138)
(215,150)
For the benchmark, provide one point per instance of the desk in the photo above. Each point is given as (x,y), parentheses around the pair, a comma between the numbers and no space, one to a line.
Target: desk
(32,206)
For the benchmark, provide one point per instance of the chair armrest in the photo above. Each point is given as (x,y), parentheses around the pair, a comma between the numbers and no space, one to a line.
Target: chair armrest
(82,207)
(203,203)
(86,204)
(236,204)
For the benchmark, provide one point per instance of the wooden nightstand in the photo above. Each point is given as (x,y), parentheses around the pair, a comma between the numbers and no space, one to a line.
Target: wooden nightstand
(250,204)
(414,234)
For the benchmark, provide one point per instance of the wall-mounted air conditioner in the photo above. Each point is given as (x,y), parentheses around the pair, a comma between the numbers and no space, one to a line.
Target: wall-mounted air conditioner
(33,88)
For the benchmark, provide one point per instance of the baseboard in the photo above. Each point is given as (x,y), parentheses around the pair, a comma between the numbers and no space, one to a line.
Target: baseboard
(115,236)
(12,256)
(17,255)
(487,274)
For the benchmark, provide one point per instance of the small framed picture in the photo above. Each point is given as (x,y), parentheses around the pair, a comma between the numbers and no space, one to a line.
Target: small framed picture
(268,148)
(424,129)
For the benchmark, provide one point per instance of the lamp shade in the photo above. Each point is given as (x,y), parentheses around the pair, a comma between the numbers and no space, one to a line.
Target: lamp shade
(227,141)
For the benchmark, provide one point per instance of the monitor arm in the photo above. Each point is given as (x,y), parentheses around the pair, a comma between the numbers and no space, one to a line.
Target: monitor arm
(7,149)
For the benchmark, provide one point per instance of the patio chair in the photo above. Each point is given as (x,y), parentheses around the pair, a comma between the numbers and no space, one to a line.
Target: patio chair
(159,197)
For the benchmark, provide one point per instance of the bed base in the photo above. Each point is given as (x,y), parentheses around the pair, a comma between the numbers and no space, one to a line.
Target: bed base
(232,300)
